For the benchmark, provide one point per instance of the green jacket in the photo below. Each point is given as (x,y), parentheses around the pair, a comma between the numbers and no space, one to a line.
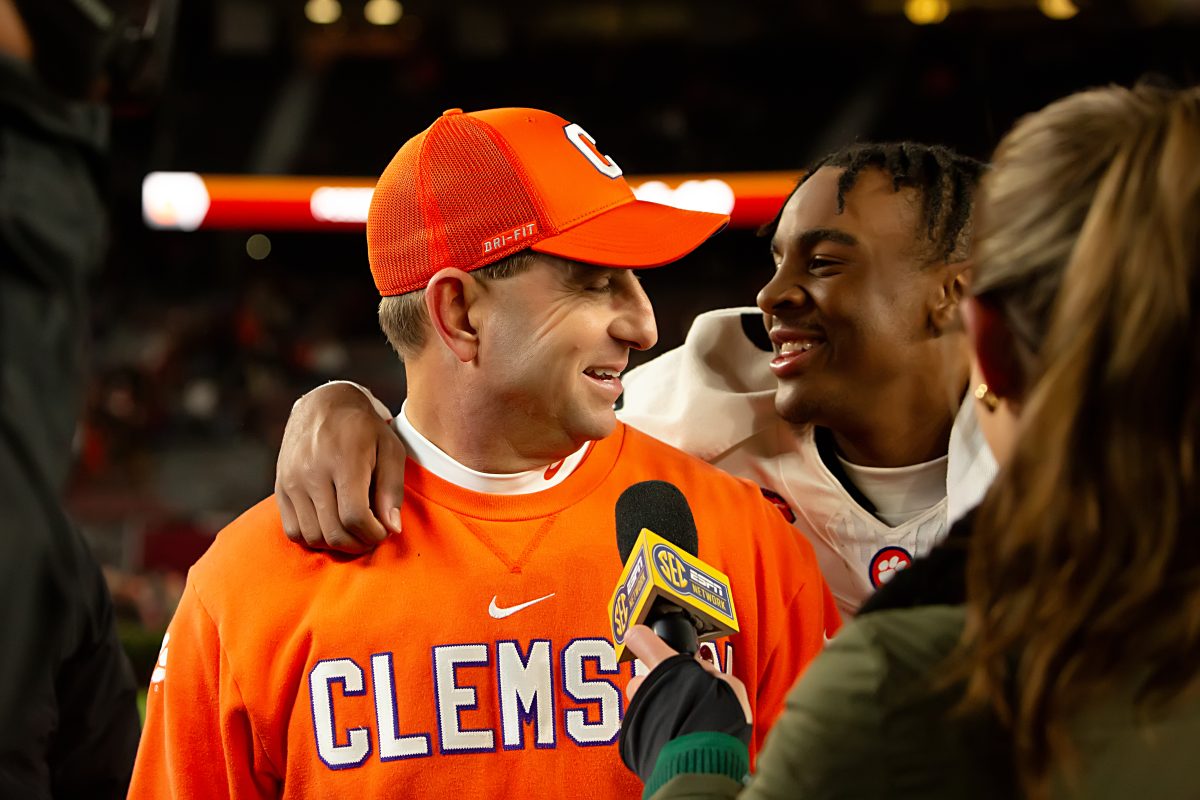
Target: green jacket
(863,724)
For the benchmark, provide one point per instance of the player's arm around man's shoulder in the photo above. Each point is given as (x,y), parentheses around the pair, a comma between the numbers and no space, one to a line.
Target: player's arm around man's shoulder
(339,478)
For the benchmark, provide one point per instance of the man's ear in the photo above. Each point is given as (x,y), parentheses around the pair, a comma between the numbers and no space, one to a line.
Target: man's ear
(994,348)
(449,297)
(953,281)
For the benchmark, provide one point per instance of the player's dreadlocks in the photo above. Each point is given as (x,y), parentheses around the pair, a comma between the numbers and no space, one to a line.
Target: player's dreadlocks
(945,180)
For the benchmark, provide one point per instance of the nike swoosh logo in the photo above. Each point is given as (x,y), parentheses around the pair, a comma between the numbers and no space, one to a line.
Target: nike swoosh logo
(500,613)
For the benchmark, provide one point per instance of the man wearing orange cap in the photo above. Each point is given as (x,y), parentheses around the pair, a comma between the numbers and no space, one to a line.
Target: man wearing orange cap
(469,658)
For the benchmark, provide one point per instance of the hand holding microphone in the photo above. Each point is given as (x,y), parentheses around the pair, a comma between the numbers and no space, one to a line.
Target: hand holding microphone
(682,600)
(683,694)
(652,651)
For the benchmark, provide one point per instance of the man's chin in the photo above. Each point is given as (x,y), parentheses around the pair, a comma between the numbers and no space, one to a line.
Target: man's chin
(605,426)
(598,427)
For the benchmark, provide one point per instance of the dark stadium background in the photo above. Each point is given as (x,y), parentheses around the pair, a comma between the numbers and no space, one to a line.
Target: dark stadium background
(199,350)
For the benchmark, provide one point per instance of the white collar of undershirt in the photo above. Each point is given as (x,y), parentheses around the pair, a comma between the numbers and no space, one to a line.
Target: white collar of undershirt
(437,461)
(900,493)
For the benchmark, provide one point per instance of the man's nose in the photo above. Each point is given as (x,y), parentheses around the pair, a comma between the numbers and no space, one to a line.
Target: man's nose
(636,324)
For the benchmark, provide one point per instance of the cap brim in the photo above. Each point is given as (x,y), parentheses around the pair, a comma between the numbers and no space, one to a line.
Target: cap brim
(633,235)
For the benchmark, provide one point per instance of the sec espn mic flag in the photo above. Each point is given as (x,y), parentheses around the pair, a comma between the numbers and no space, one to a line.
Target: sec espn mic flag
(664,585)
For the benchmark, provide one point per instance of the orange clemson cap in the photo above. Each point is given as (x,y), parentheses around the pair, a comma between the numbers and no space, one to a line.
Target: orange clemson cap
(474,188)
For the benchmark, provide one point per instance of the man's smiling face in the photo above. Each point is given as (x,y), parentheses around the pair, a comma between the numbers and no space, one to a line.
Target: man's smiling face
(557,338)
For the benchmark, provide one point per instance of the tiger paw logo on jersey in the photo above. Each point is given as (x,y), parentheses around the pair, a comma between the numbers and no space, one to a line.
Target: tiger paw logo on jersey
(886,563)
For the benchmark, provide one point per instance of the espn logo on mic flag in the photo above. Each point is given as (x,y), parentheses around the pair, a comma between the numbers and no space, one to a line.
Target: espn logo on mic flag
(657,569)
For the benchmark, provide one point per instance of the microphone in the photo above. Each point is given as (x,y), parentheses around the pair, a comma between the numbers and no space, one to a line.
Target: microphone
(664,585)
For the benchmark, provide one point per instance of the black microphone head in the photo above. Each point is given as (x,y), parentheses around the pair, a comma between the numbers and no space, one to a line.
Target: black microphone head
(662,508)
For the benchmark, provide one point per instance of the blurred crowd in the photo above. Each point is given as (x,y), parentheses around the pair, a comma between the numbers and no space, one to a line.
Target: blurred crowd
(188,400)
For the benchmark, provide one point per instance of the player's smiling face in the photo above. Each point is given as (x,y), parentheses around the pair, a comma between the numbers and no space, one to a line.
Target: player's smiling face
(557,345)
(847,308)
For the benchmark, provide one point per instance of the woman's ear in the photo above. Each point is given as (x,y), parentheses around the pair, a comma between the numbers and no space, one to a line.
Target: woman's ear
(992,341)
(952,288)
(449,297)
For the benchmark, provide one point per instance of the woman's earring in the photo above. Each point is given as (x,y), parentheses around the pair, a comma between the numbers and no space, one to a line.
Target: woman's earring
(986,396)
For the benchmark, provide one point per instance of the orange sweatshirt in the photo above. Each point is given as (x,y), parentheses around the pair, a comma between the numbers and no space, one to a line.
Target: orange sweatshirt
(467,657)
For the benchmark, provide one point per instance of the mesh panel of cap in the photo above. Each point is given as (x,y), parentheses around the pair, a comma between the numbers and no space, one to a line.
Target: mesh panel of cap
(444,194)
(397,242)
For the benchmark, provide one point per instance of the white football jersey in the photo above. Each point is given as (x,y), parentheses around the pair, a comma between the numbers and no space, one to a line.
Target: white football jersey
(714,397)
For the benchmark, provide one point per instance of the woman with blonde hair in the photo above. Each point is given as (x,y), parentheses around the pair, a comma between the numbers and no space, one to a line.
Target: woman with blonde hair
(1071,667)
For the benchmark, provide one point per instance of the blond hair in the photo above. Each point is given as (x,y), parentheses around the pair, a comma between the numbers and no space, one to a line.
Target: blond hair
(405,320)
(1084,569)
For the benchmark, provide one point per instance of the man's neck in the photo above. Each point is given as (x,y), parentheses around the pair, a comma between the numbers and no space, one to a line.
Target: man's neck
(480,436)
(438,462)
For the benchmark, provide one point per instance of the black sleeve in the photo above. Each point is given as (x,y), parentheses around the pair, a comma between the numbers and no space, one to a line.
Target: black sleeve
(677,698)
(67,692)
(68,712)
(939,578)
(92,752)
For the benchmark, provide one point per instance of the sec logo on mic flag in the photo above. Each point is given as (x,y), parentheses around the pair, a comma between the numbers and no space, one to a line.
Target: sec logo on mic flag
(621,615)
(671,567)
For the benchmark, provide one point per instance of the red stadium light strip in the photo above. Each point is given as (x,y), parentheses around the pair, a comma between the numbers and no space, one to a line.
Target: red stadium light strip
(188,201)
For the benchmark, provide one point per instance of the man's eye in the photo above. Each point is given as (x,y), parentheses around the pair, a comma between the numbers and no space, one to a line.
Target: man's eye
(823,265)
(602,286)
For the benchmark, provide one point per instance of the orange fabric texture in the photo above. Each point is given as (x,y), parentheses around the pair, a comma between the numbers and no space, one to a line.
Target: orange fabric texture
(467,657)
(475,188)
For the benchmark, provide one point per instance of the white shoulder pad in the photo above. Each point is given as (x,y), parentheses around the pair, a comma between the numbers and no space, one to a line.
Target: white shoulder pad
(710,393)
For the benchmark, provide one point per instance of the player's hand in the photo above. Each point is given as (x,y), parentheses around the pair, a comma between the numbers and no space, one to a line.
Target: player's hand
(652,651)
(335,449)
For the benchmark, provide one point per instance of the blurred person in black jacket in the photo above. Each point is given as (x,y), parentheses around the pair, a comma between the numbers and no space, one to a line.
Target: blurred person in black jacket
(68,713)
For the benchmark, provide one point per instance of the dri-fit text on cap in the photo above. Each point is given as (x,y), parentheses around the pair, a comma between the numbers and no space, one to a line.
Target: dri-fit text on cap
(500,241)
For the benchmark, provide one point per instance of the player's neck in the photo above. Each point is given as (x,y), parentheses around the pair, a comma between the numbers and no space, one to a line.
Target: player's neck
(907,426)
